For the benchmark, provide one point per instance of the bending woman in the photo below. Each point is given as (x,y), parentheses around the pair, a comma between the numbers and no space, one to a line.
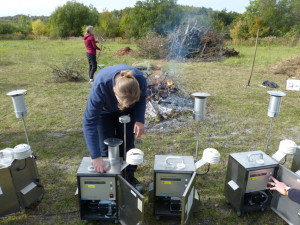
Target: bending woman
(117,90)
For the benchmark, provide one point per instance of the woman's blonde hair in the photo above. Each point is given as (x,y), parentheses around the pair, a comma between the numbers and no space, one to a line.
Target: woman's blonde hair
(127,89)
(89,30)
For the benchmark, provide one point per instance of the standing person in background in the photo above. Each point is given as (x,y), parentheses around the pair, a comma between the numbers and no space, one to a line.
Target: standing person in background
(118,90)
(91,47)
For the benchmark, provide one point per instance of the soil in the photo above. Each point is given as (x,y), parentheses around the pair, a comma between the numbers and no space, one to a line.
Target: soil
(290,67)
(125,51)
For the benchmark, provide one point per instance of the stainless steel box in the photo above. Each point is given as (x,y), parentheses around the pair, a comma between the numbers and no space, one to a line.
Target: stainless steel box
(108,196)
(247,177)
(173,192)
(19,186)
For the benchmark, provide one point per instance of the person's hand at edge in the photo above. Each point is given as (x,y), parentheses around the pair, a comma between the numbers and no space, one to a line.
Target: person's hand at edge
(139,129)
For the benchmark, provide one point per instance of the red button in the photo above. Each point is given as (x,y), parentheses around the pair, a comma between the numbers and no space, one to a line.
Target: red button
(111,195)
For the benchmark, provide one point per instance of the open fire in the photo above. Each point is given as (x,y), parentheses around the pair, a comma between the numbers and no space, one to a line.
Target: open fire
(164,101)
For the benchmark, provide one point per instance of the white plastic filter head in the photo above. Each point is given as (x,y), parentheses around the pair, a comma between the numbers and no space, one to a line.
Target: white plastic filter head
(6,157)
(18,102)
(22,151)
(134,156)
(211,155)
(286,147)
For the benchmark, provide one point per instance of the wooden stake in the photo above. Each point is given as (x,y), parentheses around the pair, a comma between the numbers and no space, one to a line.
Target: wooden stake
(253,58)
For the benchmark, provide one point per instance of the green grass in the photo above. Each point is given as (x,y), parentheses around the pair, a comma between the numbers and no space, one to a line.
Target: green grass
(236,121)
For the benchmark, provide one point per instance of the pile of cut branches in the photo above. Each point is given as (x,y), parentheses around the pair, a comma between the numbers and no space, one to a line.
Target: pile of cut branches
(190,41)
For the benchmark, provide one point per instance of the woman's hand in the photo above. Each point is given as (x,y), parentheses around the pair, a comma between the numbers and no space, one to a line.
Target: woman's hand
(99,165)
(277,185)
(139,129)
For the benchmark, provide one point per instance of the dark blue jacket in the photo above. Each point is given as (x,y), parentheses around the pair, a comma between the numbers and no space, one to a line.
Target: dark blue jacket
(102,100)
(294,195)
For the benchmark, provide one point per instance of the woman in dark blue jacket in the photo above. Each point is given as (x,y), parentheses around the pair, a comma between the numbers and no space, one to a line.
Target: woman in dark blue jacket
(117,90)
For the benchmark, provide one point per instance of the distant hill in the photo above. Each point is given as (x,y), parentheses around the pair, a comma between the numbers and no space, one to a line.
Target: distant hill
(15,18)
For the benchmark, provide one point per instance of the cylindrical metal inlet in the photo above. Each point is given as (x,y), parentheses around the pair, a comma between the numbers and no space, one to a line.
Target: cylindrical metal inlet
(200,105)
(113,148)
(18,102)
(275,102)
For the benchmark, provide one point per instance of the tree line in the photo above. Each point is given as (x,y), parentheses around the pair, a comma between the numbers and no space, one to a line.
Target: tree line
(271,17)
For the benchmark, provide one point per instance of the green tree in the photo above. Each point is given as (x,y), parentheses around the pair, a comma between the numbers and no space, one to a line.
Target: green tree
(24,24)
(222,19)
(68,20)
(7,27)
(39,28)
(159,16)
(277,17)
(109,24)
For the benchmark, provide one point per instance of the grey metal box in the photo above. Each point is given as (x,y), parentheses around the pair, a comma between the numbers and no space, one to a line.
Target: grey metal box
(247,175)
(108,196)
(173,192)
(20,187)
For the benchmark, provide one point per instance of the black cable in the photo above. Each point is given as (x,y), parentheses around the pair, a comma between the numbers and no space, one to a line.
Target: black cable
(54,214)
(208,167)
(19,169)
(284,160)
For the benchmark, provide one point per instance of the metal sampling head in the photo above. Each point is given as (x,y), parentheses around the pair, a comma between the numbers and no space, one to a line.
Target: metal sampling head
(18,102)
(113,148)
(124,119)
(200,105)
(275,102)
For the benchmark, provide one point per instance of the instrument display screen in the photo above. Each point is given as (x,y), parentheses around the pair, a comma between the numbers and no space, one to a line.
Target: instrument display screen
(170,179)
(258,174)
(94,182)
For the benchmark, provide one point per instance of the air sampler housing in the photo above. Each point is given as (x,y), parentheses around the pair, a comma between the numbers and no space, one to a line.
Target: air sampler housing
(20,185)
(173,192)
(108,196)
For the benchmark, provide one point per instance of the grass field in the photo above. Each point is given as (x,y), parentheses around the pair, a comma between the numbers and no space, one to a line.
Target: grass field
(236,121)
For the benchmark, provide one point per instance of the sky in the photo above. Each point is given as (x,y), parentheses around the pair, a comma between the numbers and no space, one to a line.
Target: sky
(47,7)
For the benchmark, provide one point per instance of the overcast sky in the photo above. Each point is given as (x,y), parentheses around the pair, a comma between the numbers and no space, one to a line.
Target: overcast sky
(46,7)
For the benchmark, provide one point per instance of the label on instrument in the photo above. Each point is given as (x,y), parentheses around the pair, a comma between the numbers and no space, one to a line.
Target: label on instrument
(90,186)
(166,182)
(140,205)
(253,178)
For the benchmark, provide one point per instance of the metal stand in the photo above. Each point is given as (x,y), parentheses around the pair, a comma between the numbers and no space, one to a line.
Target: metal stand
(269,136)
(198,134)
(25,129)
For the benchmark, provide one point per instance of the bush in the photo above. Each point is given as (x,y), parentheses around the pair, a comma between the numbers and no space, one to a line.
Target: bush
(72,70)
(152,47)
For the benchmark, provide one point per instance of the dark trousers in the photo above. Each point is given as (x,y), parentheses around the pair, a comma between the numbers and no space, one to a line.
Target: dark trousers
(92,64)
(110,127)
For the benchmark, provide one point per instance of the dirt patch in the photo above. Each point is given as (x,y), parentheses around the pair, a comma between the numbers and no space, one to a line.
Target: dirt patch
(290,67)
(125,51)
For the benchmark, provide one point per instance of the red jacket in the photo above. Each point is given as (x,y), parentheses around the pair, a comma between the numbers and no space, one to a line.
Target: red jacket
(90,44)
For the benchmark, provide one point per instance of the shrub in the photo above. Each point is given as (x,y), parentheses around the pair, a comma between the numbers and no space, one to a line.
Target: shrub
(152,47)
(71,70)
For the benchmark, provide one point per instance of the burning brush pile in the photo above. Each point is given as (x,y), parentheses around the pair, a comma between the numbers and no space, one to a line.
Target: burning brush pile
(165,102)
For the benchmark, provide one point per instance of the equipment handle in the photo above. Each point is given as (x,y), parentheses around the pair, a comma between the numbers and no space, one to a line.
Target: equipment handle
(179,165)
(251,160)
